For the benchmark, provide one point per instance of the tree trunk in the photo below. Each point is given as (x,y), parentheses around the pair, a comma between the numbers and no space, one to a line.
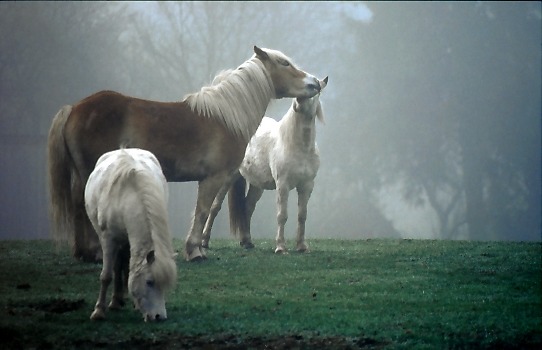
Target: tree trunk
(473,176)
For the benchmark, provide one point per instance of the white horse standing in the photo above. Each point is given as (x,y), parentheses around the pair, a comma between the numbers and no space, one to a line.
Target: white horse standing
(126,200)
(281,155)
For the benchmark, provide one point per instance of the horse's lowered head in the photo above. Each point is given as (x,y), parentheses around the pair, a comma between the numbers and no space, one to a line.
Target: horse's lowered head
(147,285)
(311,106)
(288,80)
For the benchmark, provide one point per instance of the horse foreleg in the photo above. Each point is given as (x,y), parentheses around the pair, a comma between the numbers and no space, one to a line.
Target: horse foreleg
(303,195)
(282,217)
(120,274)
(105,279)
(207,191)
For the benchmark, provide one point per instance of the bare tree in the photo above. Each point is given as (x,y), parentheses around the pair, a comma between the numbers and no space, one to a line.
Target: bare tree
(449,111)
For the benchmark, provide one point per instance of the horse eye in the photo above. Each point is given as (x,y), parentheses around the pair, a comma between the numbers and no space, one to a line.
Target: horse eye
(284,63)
(150,283)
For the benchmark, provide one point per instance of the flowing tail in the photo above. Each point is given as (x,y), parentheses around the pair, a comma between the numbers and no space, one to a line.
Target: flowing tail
(237,207)
(69,221)
(60,178)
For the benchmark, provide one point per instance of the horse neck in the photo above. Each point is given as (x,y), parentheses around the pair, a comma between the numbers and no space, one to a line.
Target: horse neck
(239,100)
(150,231)
(298,131)
(155,236)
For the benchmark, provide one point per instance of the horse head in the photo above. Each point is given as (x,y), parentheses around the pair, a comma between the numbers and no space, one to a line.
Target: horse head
(146,291)
(311,107)
(288,80)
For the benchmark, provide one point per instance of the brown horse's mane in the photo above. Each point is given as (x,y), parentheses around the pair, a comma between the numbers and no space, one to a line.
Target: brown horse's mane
(238,99)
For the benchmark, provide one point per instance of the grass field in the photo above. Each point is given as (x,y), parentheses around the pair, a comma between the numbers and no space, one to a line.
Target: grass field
(344,294)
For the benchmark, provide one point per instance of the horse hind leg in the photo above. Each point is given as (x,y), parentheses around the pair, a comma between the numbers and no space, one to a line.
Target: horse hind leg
(86,244)
(92,248)
(253,196)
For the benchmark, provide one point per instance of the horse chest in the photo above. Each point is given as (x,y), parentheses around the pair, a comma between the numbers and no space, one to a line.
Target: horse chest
(299,166)
(307,138)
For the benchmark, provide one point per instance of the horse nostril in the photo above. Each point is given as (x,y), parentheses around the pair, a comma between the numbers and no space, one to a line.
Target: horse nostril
(157,317)
(315,87)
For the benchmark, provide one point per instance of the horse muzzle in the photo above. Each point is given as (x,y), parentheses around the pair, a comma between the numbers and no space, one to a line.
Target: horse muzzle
(155,317)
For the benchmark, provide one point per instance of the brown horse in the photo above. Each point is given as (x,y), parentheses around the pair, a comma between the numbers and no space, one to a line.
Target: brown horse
(202,138)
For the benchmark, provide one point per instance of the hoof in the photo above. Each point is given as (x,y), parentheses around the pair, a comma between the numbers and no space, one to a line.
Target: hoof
(116,304)
(99,257)
(197,259)
(205,245)
(196,256)
(89,257)
(302,248)
(194,253)
(281,250)
(246,245)
(98,314)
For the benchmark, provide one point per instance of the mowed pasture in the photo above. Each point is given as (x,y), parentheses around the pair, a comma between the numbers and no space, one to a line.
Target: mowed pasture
(382,294)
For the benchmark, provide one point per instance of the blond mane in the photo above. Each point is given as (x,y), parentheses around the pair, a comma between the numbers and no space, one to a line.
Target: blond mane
(154,203)
(237,98)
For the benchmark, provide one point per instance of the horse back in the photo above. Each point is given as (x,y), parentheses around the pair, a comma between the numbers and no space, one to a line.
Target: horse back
(188,146)
(114,190)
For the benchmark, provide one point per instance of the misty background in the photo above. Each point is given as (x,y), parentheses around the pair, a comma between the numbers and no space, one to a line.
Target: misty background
(433,109)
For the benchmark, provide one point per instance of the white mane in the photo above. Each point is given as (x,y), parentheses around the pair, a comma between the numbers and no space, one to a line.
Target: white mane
(153,200)
(297,126)
(155,206)
(238,98)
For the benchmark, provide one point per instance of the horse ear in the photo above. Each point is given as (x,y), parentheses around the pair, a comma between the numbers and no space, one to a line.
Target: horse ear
(323,83)
(150,257)
(261,54)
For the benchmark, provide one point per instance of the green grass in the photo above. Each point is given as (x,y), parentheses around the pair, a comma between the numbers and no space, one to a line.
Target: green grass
(374,294)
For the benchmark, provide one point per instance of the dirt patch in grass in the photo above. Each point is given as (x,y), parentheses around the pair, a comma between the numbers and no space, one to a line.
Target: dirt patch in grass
(58,306)
(234,342)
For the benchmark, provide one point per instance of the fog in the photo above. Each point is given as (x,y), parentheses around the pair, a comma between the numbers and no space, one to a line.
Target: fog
(433,109)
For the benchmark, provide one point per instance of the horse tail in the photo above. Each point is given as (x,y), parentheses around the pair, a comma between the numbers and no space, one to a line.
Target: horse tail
(59,162)
(237,207)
